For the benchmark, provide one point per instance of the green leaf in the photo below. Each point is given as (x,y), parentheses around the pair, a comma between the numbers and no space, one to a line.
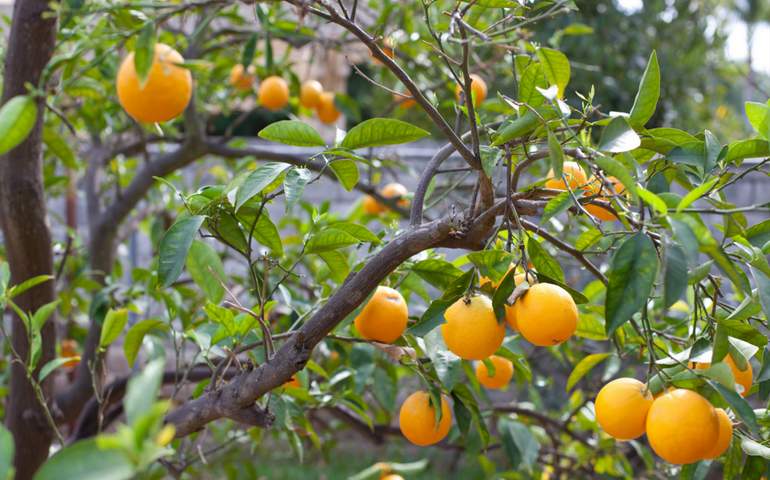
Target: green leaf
(556,68)
(28,284)
(359,231)
(294,185)
(135,335)
(739,405)
(42,315)
(754,449)
(543,261)
(87,460)
(6,453)
(652,200)
(144,52)
(266,233)
(759,118)
(647,96)
(58,147)
(206,270)
(585,365)
(330,239)
(520,444)
(17,118)
(50,366)
(431,318)
(249,49)
(517,128)
(762,281)
(292,132)
(617,170)
(675,278)
(174,246)
(258,180)
(113,325)
(758,235)
(754,147)
(556,154)
(142,390)
(696,193)
(346,172)
(337,263)
(437,272)
(557,205)
(618,136)
(377,132)
(502,293)
(631,278)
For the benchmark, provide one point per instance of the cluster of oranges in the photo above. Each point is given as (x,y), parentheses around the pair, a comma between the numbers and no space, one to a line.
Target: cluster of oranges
(478,92)
(577,179)
(681,425)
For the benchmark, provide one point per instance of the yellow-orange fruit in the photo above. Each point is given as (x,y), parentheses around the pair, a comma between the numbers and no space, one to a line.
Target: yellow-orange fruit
(621,408)
(391,190)
(242,79)
(417,419)
(595,187)
(165,93)
(326,109)
(293,382)
(682,426)
(510,310)
(478,90)
(502,376)
(404,102)
(743,378)
(392,476)
(273,93)
(574,174)
(69,349)
(471,330)
(384,317)
(546,315)
(724,438)
(310,93)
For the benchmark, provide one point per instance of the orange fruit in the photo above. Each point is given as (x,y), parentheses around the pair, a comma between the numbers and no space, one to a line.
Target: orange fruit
(293,382)
(503,372)
(310,93)
(392,476)
(326,109)
(404,102)
(391,190)
(165,93)
(682,426)
(546,315)
(273,93)
(483,280)
(510,310)
(471,330)
(621,408)
(574,174)
(743,378)
(384,317)
(724,438)
(478,90)
(69,349)
(417,419)
(242,79)
(595,187)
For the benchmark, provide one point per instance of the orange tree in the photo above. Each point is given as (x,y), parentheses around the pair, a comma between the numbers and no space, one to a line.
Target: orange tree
(548,237)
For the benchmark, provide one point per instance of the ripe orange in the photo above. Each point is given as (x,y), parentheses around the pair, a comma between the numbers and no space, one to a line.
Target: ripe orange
(404,102)
(725,436)
(391,190)
(471,330)
(574,174)
(503,372)
(510,310)
(384,317)
(478,90)
(392,476)
(273,93)
(69,349)
(166,92)
(546,315)
(417,419)
(743,378)
(682,426)
(595,187)
(310,93)
(326,110)
(242,79)
(293,382)
(621,408)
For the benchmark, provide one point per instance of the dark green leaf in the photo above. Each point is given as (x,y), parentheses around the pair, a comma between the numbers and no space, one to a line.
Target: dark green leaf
(675,280)
(618,136)
(762,281)
(543,261)
(174,247)
(739,405)
(647,96)
(631,278)
(17,118)
(206,270)
(144,52)
(258,180)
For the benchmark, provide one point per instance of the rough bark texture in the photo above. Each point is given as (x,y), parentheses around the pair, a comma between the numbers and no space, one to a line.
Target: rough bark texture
(25,230)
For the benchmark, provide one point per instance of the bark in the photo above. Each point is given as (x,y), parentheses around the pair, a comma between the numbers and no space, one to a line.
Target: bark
(25,229)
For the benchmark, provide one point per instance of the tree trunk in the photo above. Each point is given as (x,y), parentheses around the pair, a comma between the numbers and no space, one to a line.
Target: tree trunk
(25,229)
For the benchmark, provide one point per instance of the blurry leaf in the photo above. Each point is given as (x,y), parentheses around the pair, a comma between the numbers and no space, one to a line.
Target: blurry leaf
(631,277)
(557,205)
(519,444)
(346,172)
(759,118)
(60,148)
(294,185)
(762,281)
(114,322)
(292,132)
(517,128)
(258,180)
(556,154)
(135,335)
(142,390)
(42,315)
(17,118)
(585,365)
(461,393)
(86,460)
(739,405)
(556,67)
(47,369)
(144,52)
(675,278)
(249,48)
(437,272)
(28,284)
(206,270)
(618,136)
(329,239)
(618,170)
(337,263)
(543,261)
(376,132)
(6,453)
(751,148)
(357,230)
(696,193)
(647,96)
(756,449)
(266,233)
(174,247)
(652,200)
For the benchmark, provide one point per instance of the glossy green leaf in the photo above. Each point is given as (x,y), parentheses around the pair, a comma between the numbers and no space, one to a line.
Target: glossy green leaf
(555,67)
(86,460)
(113,325)
(292,132)
(377,132)
(557,205)
(329,239)
(618,136)
(759,118)
(135,335)
(616,169)
(652,200)
(206,269)
(346,172)
(17,118)
(174,247)
(739,405)
(675,277)
(631,277)
(437,272)
(696,193)
(258,180)
(543,261)
(647,96)
(294,185)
